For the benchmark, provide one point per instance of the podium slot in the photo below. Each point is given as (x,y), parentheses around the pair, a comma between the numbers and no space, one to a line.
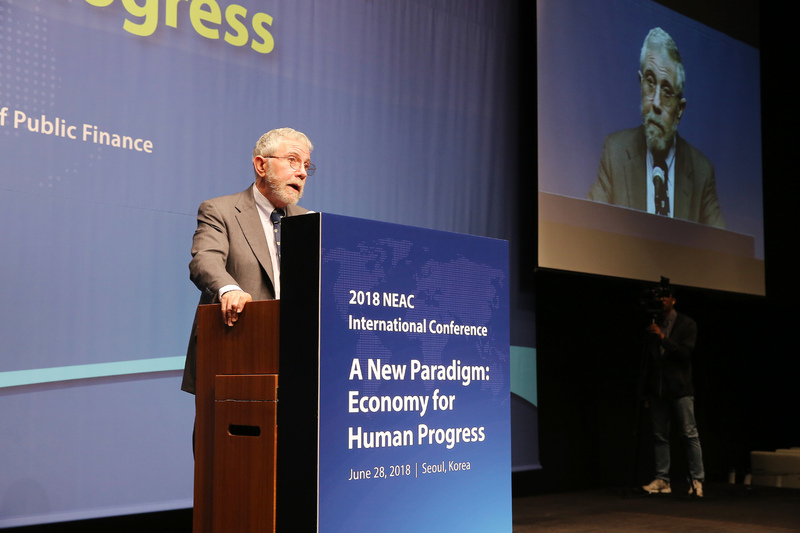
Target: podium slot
(238,430)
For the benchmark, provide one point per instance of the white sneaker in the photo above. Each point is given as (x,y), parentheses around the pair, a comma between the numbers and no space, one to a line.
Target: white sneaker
(658,486)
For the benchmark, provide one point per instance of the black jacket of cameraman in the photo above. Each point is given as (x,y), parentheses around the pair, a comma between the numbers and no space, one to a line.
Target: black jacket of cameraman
(668,372)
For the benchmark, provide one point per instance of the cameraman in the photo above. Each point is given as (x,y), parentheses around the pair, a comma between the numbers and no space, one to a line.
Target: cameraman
(667,383)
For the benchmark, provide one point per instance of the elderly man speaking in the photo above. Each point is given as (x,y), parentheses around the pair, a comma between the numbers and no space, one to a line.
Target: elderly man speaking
(236,246)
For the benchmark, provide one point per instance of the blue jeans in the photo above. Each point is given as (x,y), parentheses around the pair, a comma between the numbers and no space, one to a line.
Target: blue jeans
(683,409)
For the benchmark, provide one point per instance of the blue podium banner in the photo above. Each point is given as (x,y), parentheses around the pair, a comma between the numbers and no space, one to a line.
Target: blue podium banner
(414,387)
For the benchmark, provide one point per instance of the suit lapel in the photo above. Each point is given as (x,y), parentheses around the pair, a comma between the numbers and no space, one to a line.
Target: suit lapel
(684,180)
(636,174)
(293,210)
(250,223)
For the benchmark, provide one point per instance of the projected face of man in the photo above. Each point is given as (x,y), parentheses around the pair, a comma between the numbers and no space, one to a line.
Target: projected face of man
(662,106)
(281,184)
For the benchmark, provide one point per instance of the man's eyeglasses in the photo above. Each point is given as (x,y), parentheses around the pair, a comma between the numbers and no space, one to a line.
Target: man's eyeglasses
(294,163)
(668,96)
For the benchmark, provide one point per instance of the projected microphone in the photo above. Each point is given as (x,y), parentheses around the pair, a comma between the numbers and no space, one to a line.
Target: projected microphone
(661,188)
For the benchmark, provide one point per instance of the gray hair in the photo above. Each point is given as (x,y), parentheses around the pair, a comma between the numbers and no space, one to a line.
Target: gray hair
(658,39)
(269,142)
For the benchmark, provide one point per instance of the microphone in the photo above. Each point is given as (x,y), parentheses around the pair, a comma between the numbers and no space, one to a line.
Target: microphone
(661,188)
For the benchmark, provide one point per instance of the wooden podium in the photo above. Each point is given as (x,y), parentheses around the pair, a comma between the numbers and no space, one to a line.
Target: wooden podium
(235,433)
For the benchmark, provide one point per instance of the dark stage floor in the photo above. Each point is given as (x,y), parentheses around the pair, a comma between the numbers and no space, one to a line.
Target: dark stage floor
(725,508)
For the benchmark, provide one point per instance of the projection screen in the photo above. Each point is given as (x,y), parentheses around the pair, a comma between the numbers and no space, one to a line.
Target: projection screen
(596,212)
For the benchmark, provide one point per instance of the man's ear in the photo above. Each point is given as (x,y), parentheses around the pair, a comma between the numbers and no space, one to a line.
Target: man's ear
(681,108)
(260,165)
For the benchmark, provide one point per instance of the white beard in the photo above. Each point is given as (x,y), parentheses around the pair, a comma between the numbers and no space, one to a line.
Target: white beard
(282,192)
(659,136)
(286,195)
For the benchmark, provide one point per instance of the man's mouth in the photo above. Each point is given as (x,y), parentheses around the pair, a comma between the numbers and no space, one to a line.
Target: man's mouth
(296,187)
(656,123)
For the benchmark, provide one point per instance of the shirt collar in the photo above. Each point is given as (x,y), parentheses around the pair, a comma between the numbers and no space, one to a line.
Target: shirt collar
(262,202)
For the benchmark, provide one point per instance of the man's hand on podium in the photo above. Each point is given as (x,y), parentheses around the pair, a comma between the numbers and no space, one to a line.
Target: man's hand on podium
(233,304)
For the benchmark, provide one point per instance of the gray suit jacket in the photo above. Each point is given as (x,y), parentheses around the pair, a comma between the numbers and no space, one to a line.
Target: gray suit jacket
(621,178)
(229,248)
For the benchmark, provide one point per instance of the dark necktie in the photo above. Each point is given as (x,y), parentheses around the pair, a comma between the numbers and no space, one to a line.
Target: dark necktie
(275,217)
(661,188)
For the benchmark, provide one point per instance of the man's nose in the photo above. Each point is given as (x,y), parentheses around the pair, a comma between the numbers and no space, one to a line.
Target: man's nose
(657,100)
